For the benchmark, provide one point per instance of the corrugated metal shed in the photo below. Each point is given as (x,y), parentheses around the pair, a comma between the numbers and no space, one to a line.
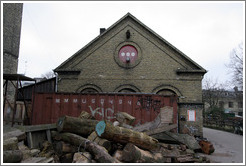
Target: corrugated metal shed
(48,107)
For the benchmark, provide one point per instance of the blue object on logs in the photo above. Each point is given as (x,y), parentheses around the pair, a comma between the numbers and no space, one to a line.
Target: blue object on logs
(100,127)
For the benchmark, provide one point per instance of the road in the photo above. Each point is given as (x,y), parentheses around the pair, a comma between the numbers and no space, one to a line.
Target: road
(228,146)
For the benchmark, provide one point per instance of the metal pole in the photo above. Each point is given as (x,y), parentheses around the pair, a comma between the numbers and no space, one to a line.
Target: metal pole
(16,92)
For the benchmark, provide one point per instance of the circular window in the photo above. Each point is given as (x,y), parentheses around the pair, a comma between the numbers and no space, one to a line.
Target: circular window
(128,55)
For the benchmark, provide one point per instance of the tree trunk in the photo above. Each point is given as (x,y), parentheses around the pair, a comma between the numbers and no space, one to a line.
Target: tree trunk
(75,125)
(12,156)
(123,135)
(62,147)
(99,152)
(100,141)
(133,154)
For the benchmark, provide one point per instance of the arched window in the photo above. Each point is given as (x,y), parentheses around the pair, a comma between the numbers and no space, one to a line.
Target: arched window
(89,90)
(166,92)
(127,90)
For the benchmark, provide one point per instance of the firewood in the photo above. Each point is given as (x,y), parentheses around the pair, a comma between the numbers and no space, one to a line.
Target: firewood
(83,127)
(98,151)
(133,154)
(122,135)
(12,156)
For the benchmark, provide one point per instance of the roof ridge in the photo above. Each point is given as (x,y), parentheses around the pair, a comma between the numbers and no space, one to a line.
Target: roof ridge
(128,14)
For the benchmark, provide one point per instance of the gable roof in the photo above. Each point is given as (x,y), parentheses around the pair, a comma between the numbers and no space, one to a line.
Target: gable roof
(129,15)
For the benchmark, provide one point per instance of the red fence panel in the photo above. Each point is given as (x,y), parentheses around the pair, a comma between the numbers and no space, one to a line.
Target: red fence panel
(48,107)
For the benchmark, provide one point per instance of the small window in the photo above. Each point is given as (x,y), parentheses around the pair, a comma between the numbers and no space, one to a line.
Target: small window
(230,104)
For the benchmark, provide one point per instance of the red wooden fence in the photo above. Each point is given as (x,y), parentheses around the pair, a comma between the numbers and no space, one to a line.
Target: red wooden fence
(48,107)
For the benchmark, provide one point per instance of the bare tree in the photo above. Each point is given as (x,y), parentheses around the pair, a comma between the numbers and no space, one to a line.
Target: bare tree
(236,66)
(49,74)
(212,94)
(212,91)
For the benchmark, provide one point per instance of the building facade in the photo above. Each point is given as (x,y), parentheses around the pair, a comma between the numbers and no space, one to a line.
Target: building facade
(12,18)
(130,57)
(230,101)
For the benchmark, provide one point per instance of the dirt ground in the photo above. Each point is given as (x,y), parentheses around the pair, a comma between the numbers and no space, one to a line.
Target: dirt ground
(228,146)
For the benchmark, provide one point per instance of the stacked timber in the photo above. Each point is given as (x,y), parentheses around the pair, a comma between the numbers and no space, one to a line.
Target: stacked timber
(103,142)
(85,140)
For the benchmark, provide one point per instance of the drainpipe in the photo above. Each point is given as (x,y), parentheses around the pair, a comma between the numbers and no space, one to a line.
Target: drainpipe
(56,84)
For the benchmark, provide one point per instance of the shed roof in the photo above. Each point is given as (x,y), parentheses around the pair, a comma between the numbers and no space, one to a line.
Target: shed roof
(17,77)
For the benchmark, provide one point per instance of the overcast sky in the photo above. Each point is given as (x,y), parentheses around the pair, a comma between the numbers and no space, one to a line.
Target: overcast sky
(204,31)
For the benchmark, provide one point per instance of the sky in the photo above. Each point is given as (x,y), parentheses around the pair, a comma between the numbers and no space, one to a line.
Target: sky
(204,31)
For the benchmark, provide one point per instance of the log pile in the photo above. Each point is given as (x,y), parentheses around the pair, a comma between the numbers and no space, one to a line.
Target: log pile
(86,140)
(14,150)
(109,143)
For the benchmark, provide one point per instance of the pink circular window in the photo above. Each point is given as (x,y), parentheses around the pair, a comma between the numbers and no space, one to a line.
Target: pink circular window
(128,54)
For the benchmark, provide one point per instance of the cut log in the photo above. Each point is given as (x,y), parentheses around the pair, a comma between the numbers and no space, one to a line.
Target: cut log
(122,135)
(162,129)
(133,154)
(83,127)
(67,158)
(62,147)
(85,115)
(98,151)
(100,141)
(10,144)
(12,156)
(16,133)
(125,118)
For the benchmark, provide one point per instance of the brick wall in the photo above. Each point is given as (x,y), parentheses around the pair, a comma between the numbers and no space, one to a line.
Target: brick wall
(156,69)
